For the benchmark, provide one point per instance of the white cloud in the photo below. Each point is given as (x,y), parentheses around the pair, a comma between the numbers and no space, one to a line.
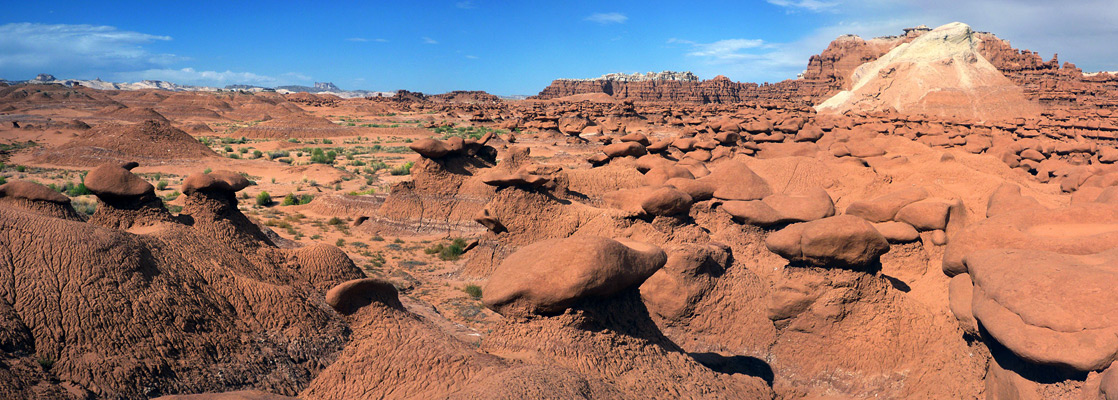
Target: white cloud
(754,60)
(32,47)
(190,76)
(466,5)
(607,18)
(472,57)
(729,49)
(428,40)
(810,5)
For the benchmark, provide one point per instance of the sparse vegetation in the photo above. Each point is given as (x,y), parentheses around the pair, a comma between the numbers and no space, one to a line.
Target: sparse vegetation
(263,199)
(404,169)
(473,290)
(448,252)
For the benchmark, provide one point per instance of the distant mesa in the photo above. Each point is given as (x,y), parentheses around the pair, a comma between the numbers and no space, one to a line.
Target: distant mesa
(939,73)
(685,76)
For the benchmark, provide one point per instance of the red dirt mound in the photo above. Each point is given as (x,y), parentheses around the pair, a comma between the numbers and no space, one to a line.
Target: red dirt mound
(149,142)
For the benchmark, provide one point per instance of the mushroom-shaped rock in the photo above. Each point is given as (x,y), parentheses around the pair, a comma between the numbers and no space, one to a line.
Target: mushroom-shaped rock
(780,208)
(348,297)
(216,181)
(897,232)
(1008,198)
(733,180)
(925,215)
(550,276)
(636,137)
(501,179)
(37,198)
(885,208)
(666,200)
(842,241)
(754,212)
(597,159)
(489,220)
(650,200)
(810,205)
(1049,308)
(624,149)
(697,189)
(727,138)
(1077,229)
(430,148)
(673,291)
(662,173)
(32,191)
(658,147)
(115,181)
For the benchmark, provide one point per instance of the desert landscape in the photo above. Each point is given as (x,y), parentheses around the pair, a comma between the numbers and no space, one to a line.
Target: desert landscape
(930,215)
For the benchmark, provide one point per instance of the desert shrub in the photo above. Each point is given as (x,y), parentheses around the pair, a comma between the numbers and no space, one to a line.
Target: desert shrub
(207,170)
(228,149)
(323,157)
(73,190)
(473,290)
(263,199)
(340,243)
(161,185)
(3,180)
(244,150)
(289,200)
(404,169)
(334,221)
(448,252)
(257,154)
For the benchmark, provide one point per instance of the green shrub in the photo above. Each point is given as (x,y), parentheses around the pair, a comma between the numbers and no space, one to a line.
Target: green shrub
(449,252)
(334,221)
(207,170)
(3,180)
(263,199)
(228,149)
(289,200)
(244,150)
(161,185)
(257,153)
(403,169)
(46,363)
(20,168)
(73,190)
(321,157)
(340,243)
(473,290)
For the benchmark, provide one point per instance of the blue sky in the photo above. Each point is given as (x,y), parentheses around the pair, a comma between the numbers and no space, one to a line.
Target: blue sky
(502,47)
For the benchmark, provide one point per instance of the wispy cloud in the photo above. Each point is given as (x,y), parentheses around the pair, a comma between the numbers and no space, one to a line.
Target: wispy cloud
(470,56)
(190,76)
(466,5)
(607,18)
(728,49)
(29,47)
(809,5)
(427,40)
(363,40)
